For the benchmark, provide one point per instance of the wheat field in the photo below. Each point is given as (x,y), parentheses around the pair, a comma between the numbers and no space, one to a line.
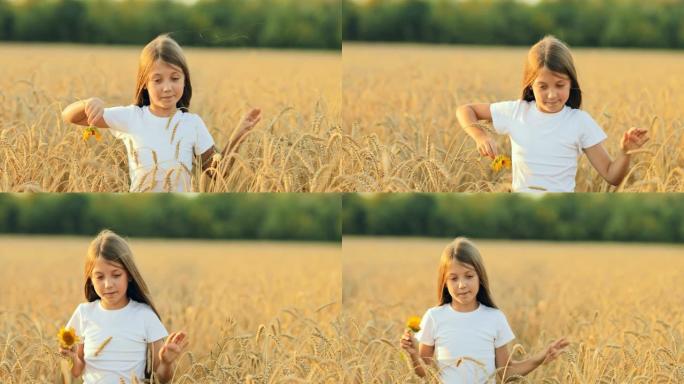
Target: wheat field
(293,148)
(399,107)
(620,305)
(256,312)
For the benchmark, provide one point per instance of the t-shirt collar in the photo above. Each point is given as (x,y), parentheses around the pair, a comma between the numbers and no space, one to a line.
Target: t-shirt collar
(534,110)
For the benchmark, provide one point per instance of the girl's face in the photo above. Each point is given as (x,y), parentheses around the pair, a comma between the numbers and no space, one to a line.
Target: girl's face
(463,284)
(165,85)
(551,90)
(110,281)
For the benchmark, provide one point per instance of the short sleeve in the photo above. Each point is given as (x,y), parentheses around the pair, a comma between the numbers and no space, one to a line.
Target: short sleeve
(76,321)
(154,329)
(502,115)
(426,335)
(119,118)
(504,333)
(204,141)
(590,132)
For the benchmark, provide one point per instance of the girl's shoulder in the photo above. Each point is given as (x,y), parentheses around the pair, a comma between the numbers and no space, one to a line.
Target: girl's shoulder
(86,307)
(125,111)
(580,118)
(139,307)
(438,311)
(492,313)
(191,117)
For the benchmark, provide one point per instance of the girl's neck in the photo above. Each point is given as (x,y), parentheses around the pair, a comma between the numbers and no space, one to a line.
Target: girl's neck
(111,307)
(470,307)
(161,112)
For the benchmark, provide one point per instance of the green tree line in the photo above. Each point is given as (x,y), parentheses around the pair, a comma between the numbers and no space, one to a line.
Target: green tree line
(558,217)
(211,216)
(225,23)
(592,23)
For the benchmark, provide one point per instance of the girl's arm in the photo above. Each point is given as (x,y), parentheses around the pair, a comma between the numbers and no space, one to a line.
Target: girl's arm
(248,121)
(468,115)
(420,358)
(87,112)
(523,367)
(77,359)
(169,351)
(613,171)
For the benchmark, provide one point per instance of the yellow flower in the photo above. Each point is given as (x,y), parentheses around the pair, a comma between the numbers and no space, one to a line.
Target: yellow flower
(67,337)
(501,162)
(91,131)
(413,323)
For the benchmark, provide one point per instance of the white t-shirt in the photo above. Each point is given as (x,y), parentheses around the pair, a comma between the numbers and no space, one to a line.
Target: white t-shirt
(545,146)
(131,329)
(456,335)
(174,143)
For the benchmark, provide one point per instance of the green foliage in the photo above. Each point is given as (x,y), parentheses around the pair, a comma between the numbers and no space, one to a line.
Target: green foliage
(224,23)
(616,23)
(210,216)
(560,217)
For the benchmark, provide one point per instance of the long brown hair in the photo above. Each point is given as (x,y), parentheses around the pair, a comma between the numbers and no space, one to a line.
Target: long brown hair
(462,250)
(113,248)
(166,49)
(553,54)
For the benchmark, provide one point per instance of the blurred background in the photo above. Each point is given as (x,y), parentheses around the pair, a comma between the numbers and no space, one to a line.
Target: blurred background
(586,23)
(314,217)
(225,23)
(554,217)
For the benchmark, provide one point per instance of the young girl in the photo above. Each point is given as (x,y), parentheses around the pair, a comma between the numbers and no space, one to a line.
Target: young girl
(466,334)
(547,129)
(160,135)
(119,324)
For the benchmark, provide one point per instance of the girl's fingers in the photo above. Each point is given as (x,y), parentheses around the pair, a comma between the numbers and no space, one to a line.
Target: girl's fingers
(95,118)
(179,336)
(495,151)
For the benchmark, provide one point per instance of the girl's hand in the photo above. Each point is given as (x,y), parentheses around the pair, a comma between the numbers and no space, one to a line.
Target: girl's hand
(486,145)
(633,139)
(94,109)
(553,350)
(408,344)
(173,346)
(248,121)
